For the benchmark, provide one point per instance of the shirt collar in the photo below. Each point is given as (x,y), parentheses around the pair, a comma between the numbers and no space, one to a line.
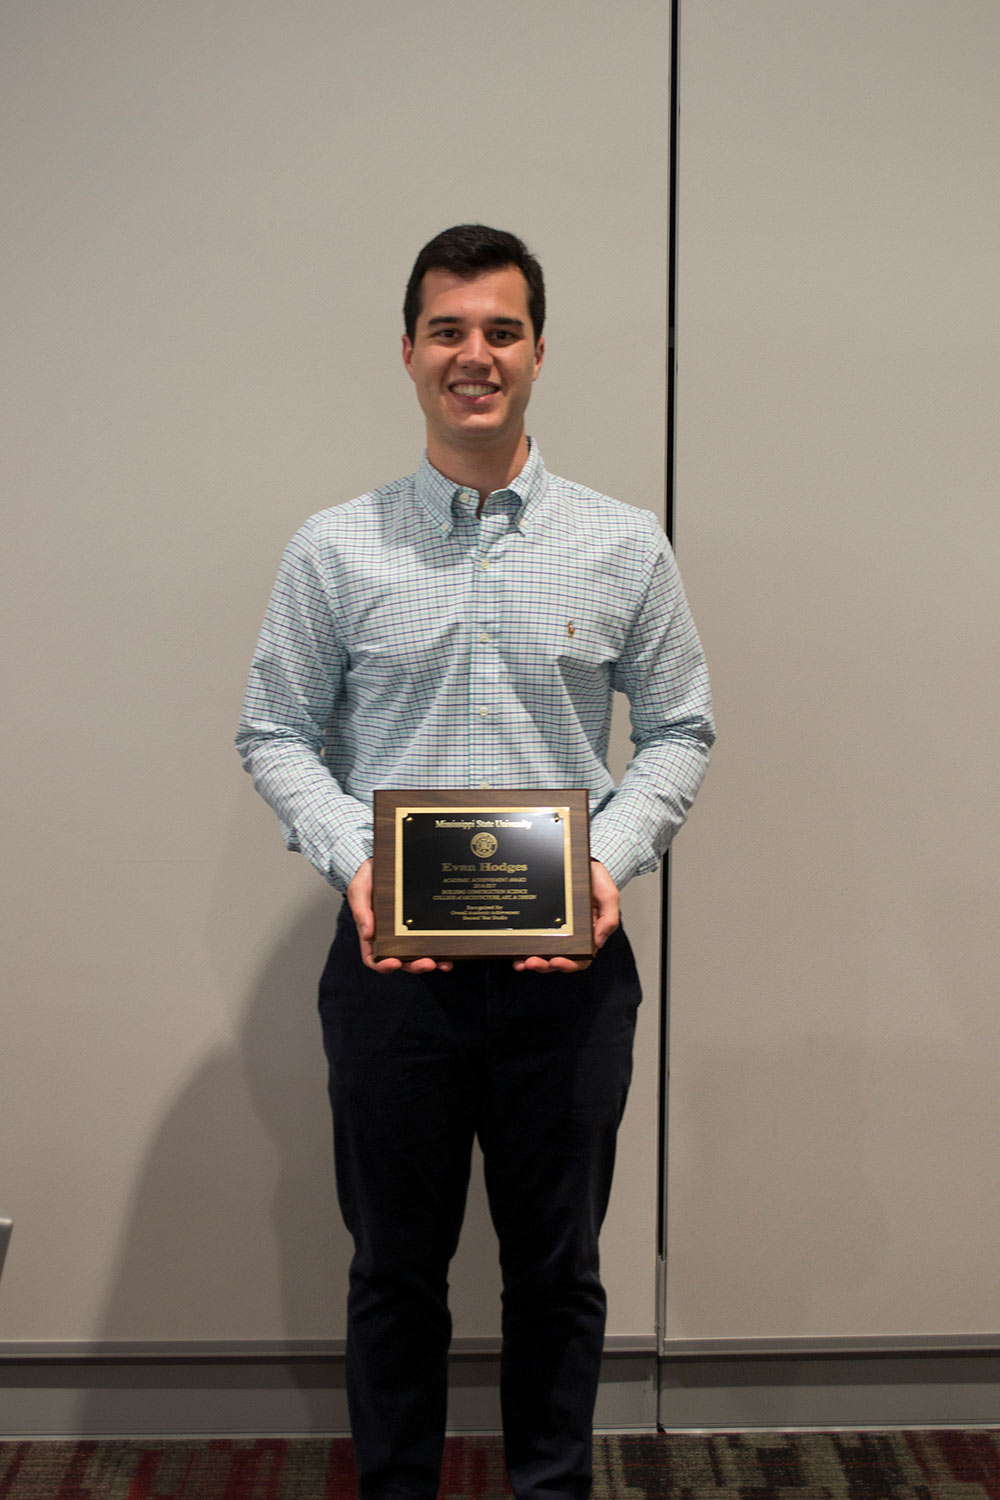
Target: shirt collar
(437,493)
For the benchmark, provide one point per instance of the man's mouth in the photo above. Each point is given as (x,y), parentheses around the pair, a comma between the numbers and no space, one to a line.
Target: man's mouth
(470,388)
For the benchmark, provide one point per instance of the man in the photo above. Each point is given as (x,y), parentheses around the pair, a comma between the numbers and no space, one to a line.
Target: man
(466,627)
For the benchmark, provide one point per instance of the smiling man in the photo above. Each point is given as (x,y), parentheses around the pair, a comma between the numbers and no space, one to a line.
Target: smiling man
(474,357)
(467,626)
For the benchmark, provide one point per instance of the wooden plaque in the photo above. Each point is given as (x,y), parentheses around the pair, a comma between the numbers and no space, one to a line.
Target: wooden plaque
(482,874)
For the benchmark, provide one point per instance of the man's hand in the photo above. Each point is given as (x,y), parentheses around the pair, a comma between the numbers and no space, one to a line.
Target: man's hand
(606,904)
(359,899)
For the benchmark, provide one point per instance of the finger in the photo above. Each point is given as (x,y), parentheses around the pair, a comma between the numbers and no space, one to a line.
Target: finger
(397,965)
(558,965)
(604,925)
(380,966)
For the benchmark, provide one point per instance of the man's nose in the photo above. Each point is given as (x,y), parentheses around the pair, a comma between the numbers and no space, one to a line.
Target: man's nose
(475,350)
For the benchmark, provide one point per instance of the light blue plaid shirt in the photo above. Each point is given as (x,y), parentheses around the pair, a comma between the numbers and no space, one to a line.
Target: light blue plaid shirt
(409,644)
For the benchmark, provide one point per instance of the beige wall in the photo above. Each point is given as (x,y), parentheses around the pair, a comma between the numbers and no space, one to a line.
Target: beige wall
(213,210)
(212,213)
(835,1034)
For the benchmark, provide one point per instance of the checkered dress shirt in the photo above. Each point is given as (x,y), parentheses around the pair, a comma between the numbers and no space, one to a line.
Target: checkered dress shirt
(409,644)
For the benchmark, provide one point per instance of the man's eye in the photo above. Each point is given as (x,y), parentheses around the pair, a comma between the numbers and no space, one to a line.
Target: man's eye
(502,335)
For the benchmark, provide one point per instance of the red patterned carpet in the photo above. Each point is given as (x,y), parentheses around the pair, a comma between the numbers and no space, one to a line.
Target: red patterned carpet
(918,1465)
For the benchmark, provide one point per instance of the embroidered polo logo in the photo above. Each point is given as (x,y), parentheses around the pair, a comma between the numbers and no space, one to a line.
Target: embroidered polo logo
(570,628)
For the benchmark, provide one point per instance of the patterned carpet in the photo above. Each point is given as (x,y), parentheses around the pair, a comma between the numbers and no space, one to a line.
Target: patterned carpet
(919,1465)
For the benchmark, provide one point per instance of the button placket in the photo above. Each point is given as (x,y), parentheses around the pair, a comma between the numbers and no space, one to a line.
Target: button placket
(483,657)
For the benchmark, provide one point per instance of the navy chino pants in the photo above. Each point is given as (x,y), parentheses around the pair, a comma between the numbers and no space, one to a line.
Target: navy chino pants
(537,1066)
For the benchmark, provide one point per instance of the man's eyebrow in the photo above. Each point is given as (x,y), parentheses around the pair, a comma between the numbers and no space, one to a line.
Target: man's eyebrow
(450,318)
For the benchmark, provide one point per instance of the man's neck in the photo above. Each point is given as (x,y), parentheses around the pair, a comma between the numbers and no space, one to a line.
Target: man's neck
(478,469)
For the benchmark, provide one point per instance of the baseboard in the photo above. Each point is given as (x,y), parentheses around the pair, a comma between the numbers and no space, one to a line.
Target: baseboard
(939,1388)
(241,1396)
(303,1395)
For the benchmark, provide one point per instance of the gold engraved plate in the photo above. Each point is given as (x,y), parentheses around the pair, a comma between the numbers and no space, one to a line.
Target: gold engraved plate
(461,874)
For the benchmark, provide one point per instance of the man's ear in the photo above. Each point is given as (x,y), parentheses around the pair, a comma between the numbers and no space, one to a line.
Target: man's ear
(408,355)
(539,356)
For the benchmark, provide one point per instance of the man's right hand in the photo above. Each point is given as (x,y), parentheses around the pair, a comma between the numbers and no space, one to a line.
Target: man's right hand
(359,899)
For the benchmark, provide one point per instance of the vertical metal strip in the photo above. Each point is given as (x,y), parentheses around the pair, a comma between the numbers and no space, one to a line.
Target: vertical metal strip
(664,1069)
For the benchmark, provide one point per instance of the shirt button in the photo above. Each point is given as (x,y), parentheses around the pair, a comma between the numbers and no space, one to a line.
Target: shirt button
(484,639)
(484,563)
(484,713)
(484,783)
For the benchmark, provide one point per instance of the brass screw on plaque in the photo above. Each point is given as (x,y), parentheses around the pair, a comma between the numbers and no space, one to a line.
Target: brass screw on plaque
(557,921)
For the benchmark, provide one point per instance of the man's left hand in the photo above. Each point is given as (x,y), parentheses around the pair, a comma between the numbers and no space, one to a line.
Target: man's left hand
(606,905)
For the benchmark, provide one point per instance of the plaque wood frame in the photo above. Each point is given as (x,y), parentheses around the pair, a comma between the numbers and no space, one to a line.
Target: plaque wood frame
(572,936)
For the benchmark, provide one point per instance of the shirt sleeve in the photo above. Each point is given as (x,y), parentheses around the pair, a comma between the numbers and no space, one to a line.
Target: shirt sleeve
(662,671)
(296,681)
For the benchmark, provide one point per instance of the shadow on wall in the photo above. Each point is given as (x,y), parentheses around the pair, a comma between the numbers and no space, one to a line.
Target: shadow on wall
(234,1231)
(234,1209)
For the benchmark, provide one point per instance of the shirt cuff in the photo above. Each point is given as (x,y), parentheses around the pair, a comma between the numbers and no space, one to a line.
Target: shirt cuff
(349,855)
(613,850)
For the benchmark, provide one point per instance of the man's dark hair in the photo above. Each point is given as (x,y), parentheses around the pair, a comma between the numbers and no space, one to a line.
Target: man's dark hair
(467,250)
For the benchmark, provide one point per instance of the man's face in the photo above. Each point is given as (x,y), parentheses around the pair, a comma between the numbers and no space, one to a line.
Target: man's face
(473,359)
